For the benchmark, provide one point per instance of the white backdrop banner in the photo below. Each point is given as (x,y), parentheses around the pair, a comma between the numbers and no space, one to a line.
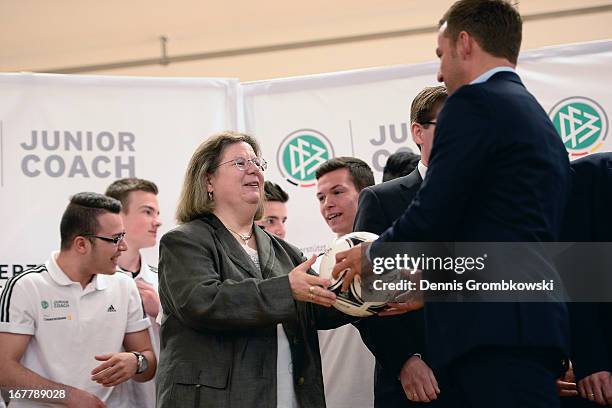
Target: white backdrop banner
(64,134)
(303,121)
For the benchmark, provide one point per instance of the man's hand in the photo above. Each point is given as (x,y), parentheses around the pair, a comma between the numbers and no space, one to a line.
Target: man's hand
(567,384)
(149,296)
(418,381)
(77,398)
(349,261)
(597,387)
(117,368)
(394,308)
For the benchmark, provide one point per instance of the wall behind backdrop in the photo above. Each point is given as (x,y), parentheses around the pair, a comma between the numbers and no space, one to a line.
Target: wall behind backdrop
(254,40)
(64,134)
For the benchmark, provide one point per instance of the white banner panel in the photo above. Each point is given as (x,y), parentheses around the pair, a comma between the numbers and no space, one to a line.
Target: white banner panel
(574,85)
(300,122)
(64,134)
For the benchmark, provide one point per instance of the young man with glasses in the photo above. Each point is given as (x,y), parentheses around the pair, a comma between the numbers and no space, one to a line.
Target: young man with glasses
(379,207)
(64,325)
(140,215)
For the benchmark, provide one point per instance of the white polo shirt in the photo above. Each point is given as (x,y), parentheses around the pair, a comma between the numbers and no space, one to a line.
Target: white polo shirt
(70,325)
(148,273)
(142,394)
(343,355)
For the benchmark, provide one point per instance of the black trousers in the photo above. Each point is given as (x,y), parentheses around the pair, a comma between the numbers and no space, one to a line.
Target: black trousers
(577,402)
(503,377)
(388,391)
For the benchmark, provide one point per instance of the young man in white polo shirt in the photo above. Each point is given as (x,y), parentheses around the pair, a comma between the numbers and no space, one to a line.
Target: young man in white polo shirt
(140,215)
(348,365)
(63,324)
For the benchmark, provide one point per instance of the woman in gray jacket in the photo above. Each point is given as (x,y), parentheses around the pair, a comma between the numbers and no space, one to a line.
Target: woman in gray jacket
(241,309)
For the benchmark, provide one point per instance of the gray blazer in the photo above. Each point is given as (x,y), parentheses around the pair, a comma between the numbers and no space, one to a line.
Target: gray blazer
(218,335)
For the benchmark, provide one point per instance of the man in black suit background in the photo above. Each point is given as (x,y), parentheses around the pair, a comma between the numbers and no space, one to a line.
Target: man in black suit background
(588,219)
(498,173)
(379,207)
(400,164)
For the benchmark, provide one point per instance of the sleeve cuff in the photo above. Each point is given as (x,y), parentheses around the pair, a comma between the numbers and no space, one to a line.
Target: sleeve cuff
(139,325)
(368,253)
(277,293)
(17,328)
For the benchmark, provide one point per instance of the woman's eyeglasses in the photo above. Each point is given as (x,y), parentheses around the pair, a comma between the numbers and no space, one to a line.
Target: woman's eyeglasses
(243,164)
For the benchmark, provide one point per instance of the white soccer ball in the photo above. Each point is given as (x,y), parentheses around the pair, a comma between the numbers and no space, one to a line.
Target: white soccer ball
(349,302)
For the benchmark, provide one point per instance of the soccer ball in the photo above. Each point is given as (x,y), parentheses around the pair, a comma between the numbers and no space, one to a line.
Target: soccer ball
(349,302)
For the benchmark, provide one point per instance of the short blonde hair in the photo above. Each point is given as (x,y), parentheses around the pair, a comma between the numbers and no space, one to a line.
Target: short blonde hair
(194,200)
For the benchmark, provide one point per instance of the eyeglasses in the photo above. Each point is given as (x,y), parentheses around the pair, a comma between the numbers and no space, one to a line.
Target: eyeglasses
(243,164)
(430,122)
(116,240)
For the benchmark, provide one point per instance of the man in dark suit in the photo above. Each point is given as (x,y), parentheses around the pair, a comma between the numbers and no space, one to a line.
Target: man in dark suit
(379,207)
(588,219)
(498,173)
(400,164)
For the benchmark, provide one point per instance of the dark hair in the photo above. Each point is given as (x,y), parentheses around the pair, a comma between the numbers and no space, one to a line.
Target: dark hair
(495,24)
(361,174)
(121,189)
(81,215)
(425,105)
(194,200)
(400,164)
(274,192)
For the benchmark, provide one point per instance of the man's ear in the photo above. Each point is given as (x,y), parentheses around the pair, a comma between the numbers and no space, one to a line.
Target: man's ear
(464,44)
(81,244)
(417,133)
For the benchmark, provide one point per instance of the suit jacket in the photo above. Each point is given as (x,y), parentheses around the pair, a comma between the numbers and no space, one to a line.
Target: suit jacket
(219,335)
(379,207)
(589,219)
(498,172)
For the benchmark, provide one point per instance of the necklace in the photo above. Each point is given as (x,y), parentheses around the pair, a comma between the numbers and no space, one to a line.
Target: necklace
(244,238)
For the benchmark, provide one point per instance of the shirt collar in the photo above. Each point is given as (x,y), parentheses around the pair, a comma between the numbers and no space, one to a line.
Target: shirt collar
(485,76)
(56,272)
(145,273)
(100,281)
(422,169)
(59,276)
